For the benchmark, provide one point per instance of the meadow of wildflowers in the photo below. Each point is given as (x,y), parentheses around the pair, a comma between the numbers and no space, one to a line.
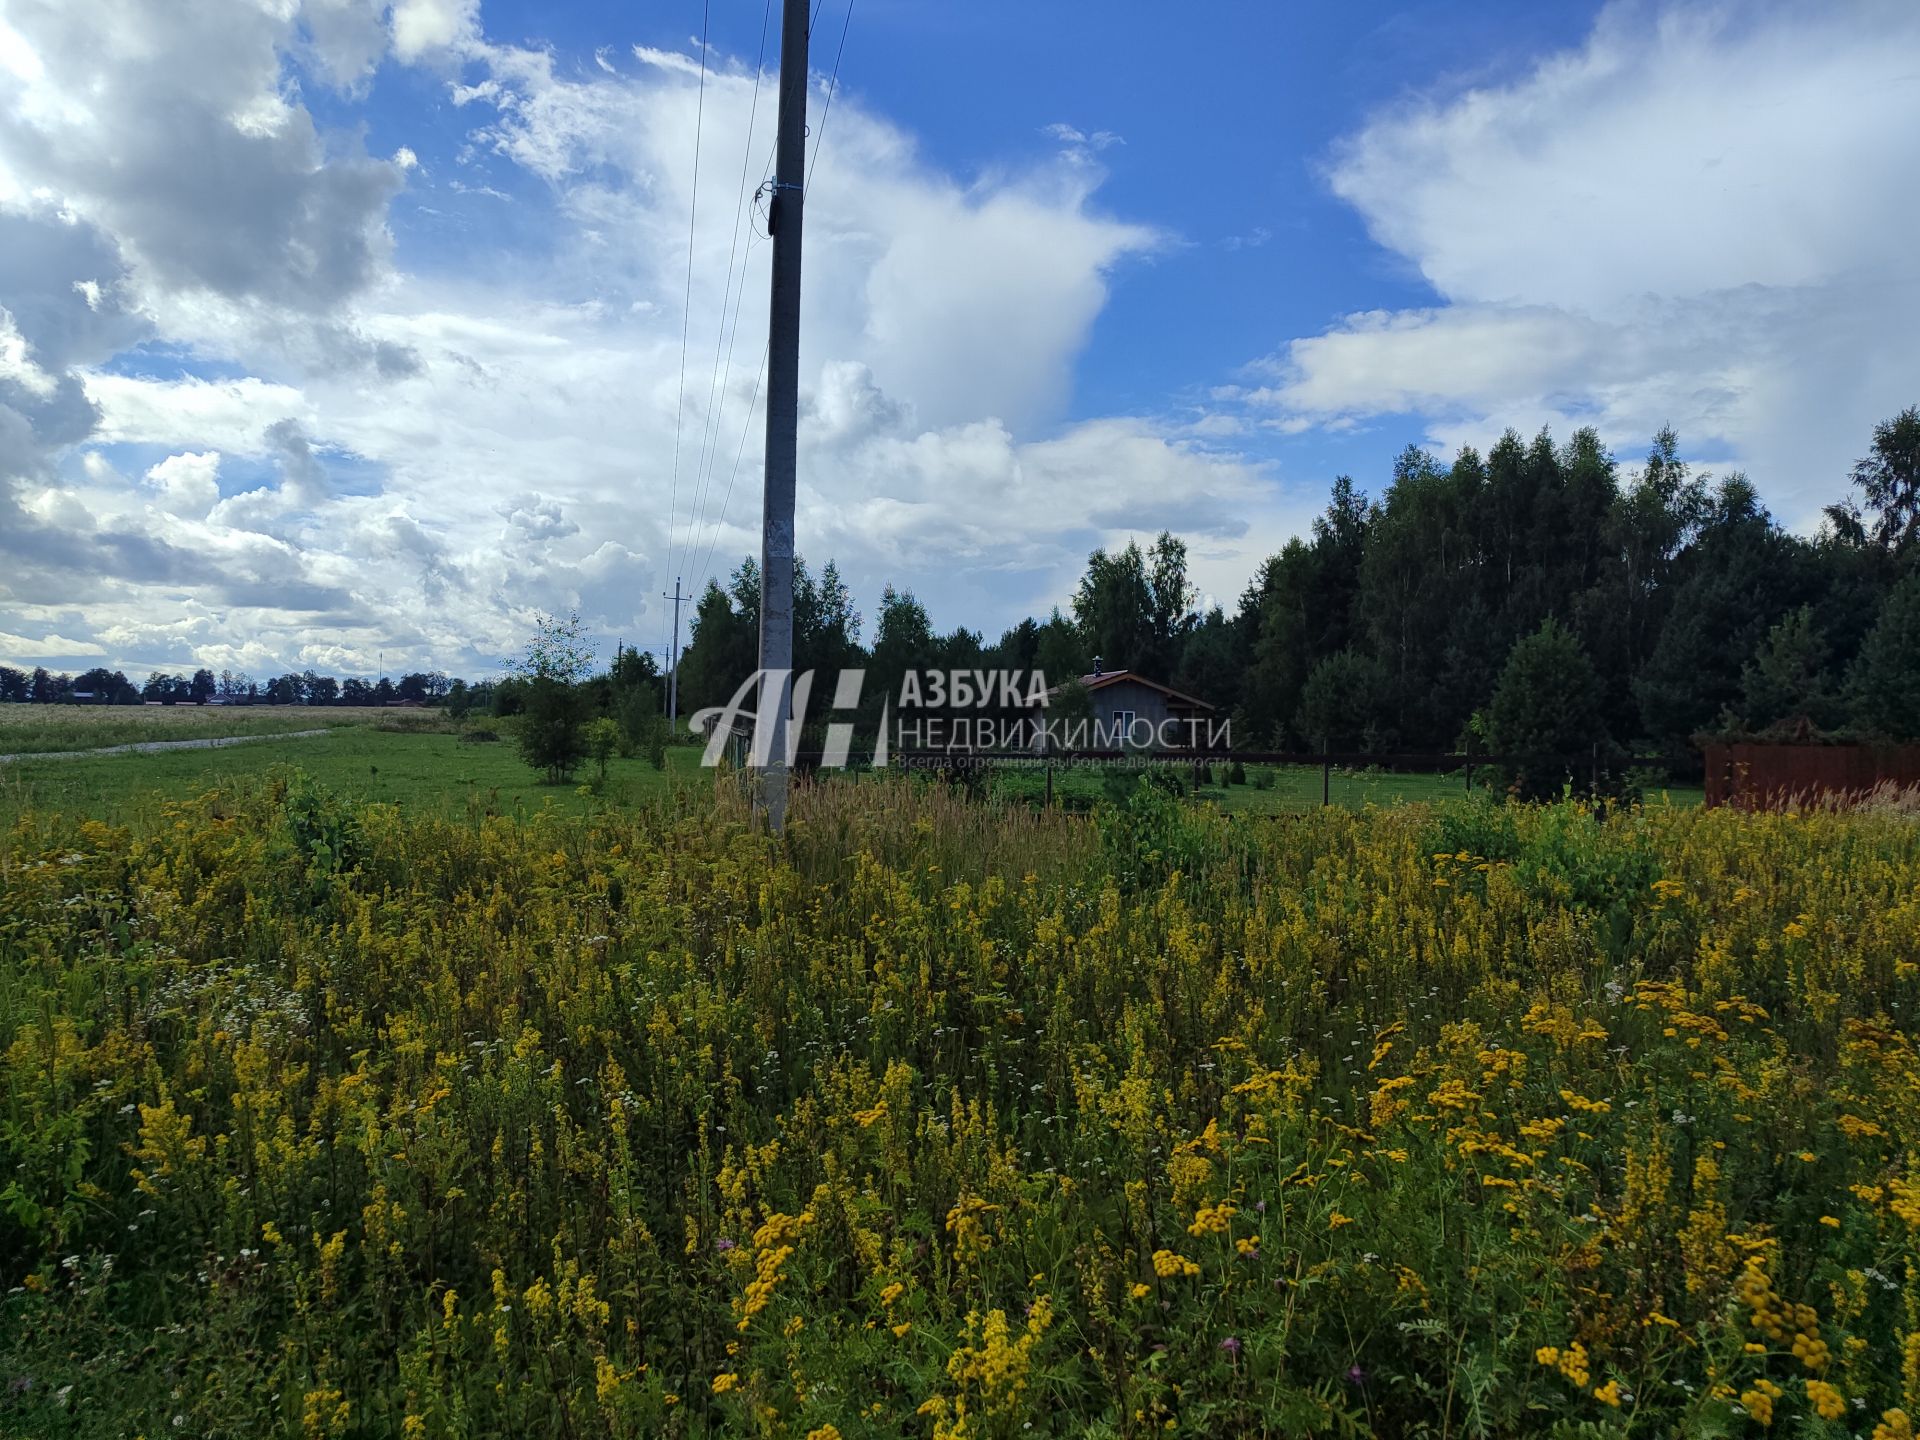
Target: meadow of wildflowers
(931,1119)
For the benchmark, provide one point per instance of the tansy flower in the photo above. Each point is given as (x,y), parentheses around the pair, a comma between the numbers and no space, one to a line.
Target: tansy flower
(1571,1362)
(1759,1400)
(1825,1399)
(1167,1264)
(1211,1219)
(722,1383)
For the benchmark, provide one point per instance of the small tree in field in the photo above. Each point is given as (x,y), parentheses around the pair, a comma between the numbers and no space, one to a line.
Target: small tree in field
(603,738)
(638,708)
(1545,718)
(553,720)
(553,728)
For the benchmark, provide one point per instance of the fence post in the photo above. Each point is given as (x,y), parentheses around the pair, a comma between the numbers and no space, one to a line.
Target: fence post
(1469,764)
(1326,778)
(1049,782)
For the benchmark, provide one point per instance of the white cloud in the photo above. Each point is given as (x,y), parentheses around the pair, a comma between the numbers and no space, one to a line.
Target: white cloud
(169,127)
(22,650)
(187,484)
(416,460)
(423,27)
(17,365)
(348,38)
(229,415)
(1699,215)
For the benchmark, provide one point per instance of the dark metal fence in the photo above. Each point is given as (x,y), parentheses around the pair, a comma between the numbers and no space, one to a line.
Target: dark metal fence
(1760,777)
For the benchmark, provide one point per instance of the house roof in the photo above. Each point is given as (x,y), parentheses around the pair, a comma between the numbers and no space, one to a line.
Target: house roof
(1114,677)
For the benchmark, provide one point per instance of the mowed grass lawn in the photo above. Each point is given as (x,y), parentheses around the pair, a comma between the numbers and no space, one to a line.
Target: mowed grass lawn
(422,772)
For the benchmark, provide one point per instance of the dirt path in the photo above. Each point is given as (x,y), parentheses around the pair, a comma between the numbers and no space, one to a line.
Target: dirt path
(142,747)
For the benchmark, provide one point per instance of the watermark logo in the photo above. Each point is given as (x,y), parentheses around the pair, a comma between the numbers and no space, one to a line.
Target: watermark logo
(952,712)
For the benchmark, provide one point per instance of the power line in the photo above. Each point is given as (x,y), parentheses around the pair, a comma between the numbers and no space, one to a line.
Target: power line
(711,422)
(833,87)
(734,474)
(739,298)
(686,308)
(819,143)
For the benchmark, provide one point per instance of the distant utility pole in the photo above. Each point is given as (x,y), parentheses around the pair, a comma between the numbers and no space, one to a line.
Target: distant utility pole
(673,657)
(783,412)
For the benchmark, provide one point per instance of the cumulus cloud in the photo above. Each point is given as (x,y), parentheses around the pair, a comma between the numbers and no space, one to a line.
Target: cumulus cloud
(1699,215)
(23,650)
(347,38)
(537,517)
(169,127)
(423,28)
(272,439)
(230,415)
(187,484)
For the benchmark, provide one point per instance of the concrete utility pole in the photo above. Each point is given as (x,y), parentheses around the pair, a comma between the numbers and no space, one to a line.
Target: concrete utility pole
(783,413)
(673,657)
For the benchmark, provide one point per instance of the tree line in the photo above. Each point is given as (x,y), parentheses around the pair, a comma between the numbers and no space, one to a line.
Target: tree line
(101,686)
(1497,601)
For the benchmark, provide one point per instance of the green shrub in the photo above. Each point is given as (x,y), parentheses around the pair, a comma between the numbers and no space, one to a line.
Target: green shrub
(552,727)
(1545,719)
(603,738)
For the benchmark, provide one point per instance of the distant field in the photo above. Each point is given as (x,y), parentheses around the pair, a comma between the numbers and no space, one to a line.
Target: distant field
(422,771)
(40,729)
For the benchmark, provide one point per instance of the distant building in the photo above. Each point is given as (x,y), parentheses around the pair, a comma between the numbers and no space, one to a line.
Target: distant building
(1129,710)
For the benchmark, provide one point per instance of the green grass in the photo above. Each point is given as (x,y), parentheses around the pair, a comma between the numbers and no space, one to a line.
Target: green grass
(41,729)
(424,773)
(1288,788)
(433,771)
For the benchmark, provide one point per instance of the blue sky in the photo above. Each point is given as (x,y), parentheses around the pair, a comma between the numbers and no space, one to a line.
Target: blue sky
(1223,141)
(351,327)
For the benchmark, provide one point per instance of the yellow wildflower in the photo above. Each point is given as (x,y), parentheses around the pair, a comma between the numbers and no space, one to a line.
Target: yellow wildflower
(1826,1400)
(1167,1264)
